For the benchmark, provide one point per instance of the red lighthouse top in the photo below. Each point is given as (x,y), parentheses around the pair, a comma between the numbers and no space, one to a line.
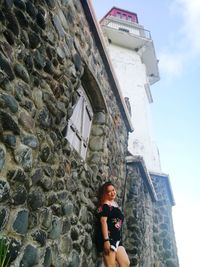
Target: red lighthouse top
(122,14)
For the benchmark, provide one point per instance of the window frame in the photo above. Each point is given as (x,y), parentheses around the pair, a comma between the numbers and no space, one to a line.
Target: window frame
(79,125)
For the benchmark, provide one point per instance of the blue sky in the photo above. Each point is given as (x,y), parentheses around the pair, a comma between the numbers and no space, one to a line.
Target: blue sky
(174,26)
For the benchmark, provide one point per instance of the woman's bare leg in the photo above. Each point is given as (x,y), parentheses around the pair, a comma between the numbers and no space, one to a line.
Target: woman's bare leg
(122,257)
(110,259)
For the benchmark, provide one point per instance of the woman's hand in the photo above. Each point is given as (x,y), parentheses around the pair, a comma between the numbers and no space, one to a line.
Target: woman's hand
(106,247)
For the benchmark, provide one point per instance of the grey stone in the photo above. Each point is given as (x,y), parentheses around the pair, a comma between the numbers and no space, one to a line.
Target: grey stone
(134,262)
(30,141)
(167,254)
(96,144)
(166,244)
(10,102)
(100,118)
(8,123)
(28,60)
(9,140)
(95,157)
(58,26)
(30,257)
(35,199)
(26,121)
(44,118)
(37,97)
(25,40)
(34,40)
(65,2)
(21,72)
(77,246)
(61,171)
(52,198)
(4,190)
(56,228)
(60,53)
(46,218)
(97,130)
(37,176)
(10,39)
(57,209)
(47,258)
(3,217)
(20,224)
(21,18)
(33,220)
(63,19)
(6,67)
(17,175)
(77,61)
(74,234)
(163,234)
(39,60)
(66,244)
(12,23)
(66,226)
(8,3)
(75,260)
(40,236)
(68,208)
(19,196)
(83,215)
(51,3)
(171,263)
(41,20)
(31,9)
(20,4)
(46,183)
(23,156)
(19,92)
(164,226)
(88,244)
(49,68)
(74,220)
(59,185)
(2,157)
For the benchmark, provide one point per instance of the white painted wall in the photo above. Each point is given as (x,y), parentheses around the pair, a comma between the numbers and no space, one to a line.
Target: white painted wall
(131,74)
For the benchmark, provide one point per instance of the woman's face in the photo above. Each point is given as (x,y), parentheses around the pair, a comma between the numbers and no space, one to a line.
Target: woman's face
(110,193)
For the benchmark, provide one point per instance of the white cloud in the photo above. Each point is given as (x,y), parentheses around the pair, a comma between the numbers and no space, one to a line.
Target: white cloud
(171,64)
(187,45)
(190,12)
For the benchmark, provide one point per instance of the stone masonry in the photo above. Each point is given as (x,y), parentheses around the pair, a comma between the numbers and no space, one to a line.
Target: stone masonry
(47,191)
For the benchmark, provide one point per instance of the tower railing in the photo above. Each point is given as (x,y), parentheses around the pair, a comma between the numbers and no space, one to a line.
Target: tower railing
(126,26)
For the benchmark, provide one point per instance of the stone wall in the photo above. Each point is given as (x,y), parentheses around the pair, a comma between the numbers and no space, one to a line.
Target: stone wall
(165,252)
(149,234)
(47,191)
(139,219)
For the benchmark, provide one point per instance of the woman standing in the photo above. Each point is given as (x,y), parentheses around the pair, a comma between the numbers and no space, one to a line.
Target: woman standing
(110,219)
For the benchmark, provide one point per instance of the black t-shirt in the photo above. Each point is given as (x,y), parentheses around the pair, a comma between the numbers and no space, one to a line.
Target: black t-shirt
(115,219)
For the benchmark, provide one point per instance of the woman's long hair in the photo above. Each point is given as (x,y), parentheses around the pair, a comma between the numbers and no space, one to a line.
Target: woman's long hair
(102,192)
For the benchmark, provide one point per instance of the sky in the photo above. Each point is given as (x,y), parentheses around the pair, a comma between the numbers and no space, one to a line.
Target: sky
(174,26)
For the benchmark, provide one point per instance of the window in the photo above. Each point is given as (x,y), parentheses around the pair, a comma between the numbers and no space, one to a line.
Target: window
(123,29)
(118,15)
(79,124)
(129,18)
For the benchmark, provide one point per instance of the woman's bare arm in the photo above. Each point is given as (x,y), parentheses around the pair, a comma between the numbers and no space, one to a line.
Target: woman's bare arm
(104,228)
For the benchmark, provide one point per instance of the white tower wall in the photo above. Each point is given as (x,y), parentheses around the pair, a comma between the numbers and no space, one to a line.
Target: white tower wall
(131,73)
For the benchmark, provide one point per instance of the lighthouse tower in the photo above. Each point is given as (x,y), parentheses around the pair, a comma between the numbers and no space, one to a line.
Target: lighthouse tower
(133,56)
